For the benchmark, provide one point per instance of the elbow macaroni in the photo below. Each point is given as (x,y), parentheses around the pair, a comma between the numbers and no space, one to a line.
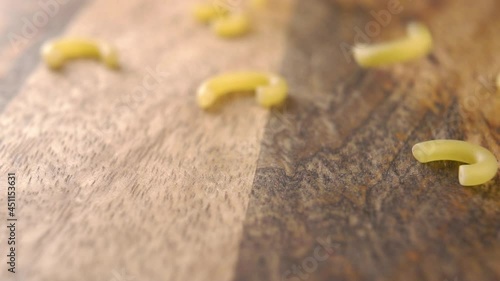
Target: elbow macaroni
(416,44)
(271,89)
(482,163)
(57,52)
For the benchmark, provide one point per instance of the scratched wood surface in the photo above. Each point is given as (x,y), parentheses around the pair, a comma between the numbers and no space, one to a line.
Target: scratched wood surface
(121,176)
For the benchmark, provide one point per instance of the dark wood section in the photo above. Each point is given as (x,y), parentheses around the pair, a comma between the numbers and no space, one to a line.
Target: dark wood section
(338,194)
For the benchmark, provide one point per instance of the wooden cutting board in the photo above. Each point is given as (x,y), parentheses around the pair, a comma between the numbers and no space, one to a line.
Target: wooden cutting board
(120,176)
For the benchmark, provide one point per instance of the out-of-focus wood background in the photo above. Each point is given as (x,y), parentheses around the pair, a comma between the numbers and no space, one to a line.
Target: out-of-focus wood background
(121,177)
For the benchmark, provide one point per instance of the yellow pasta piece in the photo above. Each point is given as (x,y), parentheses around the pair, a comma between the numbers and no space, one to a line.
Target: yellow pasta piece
(232,25)
(57,52)
(224,23)
(271,89)
(498,82)
(483,164)
(416,44)
(205,13)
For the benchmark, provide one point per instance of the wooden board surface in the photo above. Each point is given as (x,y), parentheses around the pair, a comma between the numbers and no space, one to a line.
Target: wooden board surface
(122,177)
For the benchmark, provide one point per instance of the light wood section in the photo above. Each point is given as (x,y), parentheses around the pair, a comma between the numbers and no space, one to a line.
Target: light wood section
(120,174)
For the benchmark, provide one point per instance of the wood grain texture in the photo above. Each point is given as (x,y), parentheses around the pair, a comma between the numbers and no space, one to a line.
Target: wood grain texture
(122,178)
(120,175)
(338,195)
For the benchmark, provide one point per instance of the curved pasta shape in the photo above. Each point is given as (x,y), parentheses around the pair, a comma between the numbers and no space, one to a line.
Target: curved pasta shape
(416,44)
(232,25)
(270,89)
(224,23)
(482,166)
(57,52)
(205,13)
